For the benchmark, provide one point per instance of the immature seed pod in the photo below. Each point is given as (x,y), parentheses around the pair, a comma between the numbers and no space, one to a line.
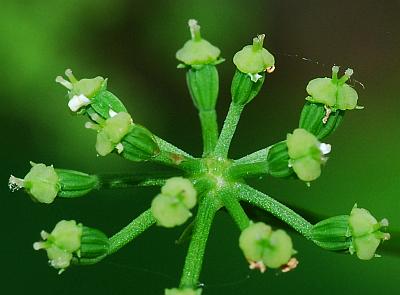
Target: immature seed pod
(75,184)
(244,89)
(332,234)
(278,160)
(106,103)
(70,240)
(94,244)
(139,144)
(319,120)
(198,51)
(184,291)
(260,243)
(203,86)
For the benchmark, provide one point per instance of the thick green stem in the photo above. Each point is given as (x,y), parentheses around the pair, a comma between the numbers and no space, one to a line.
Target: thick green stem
(194,257)
(209,128)
(131,231)
(261,200)
(228,130)
(235,209)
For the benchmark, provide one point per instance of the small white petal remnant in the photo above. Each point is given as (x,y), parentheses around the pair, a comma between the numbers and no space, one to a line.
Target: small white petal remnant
(255,77)
(325,148)
(15,183)
(120,148)
(112,113)
(78,101)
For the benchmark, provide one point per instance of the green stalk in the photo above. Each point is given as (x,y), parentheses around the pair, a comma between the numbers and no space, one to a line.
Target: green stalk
(127,180)
(194,257)
(261,200)
(131,231)
(258,156)
(228,130)
(168,147)
(255,169)
(180,161)
(235,209)
(209,128)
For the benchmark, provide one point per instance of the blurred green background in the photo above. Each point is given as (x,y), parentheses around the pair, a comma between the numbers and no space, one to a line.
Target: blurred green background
(133,43)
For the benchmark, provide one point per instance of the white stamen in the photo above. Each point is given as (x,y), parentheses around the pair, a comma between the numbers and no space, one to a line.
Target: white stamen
(39,245)
(78,101)
(120,148)
(91,125)
(64,82)
(193,25)
(325,148)
(112,113)
(44,235)
(270,69)
(386,236)
(335,69)
(255,77)
(70,75)
(349,72)
(15,183)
